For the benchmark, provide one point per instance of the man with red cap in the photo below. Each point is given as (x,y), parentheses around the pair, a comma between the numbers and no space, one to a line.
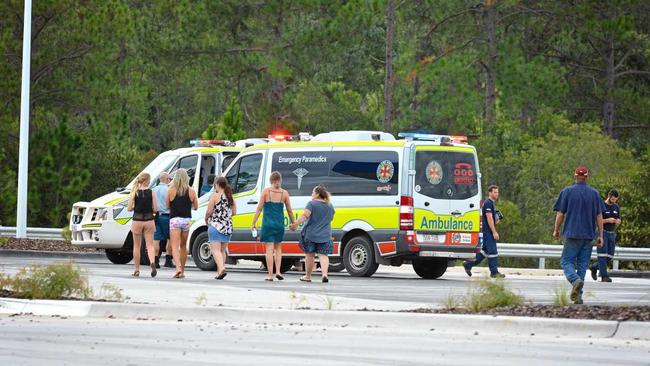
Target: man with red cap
(580,208)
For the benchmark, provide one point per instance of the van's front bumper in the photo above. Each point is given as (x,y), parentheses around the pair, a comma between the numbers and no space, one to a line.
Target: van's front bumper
(93,227)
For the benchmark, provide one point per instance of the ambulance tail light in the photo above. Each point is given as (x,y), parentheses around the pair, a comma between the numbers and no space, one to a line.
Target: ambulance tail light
(406,213)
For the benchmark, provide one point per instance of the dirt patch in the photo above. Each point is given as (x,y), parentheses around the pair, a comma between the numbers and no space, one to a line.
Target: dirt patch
(43,245)
(596,312)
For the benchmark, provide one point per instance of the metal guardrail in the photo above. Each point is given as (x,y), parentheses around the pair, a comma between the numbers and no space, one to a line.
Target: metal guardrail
(543,251)
(516,250)
(34,233)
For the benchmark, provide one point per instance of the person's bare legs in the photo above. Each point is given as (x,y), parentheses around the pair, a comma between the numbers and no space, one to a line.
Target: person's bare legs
(324,264)
(175,239)
(137,241)
(183,247)
(277,247)
(149,228)
(309,265)
(269,260)
(218,254)
(156,245)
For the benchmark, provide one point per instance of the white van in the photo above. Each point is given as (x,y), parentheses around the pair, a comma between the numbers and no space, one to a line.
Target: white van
(414,200)
(106,223)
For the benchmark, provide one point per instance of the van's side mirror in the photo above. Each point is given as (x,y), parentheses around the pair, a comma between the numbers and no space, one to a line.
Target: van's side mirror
(120,189)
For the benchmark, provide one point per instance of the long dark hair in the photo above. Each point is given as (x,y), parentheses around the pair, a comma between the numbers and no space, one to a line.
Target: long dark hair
(322,193)
(223,184)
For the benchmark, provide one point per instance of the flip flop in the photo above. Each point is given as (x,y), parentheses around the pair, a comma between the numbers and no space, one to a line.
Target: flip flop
(178,275)
(136,274)
(154,272)
(303,279)
(326,280)
(279,277)
(268,279)
(221,276)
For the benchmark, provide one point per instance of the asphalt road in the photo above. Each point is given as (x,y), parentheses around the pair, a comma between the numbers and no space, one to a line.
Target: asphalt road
(28,340)
(245,285)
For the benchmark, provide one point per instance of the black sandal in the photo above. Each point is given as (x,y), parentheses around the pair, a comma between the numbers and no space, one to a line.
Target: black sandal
(279,277)
(269,279)
(221,276)
(154,272)
(326,280)
(303,279)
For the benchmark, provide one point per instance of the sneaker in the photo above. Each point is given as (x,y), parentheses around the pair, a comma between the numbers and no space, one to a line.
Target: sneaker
(468,270)
(606,279)
(579,301)
(576,291)
(497,275)
(594,273)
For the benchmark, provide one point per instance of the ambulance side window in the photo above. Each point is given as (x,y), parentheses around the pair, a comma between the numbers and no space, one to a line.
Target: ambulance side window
(243,176)
(188,163)
(228,157)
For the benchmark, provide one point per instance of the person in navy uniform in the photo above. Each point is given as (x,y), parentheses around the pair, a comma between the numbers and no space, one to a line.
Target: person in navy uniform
(580,208)
(491,217)
(611,219)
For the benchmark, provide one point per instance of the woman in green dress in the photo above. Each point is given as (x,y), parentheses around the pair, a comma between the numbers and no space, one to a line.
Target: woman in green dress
(272,203)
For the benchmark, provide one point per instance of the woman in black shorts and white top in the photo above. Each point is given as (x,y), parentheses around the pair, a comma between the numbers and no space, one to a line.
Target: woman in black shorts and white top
(143,205)
(181,200)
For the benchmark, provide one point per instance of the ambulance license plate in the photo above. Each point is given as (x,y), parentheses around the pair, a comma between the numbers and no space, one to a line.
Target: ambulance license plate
(427,254)
(432,238)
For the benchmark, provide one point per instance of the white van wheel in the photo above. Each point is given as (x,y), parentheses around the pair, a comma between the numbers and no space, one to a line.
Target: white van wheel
(119,256)
(202,254)
(430,268)
(359,257)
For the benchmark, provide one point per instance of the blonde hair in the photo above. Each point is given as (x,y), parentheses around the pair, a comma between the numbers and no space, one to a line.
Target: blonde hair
(139,180)
(181,182)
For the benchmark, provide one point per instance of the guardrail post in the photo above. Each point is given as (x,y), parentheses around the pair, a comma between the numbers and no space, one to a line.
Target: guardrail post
(542,263)
(615,265)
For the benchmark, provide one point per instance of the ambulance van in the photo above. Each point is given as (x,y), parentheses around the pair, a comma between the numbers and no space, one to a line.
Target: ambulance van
(410,200)
(106,223)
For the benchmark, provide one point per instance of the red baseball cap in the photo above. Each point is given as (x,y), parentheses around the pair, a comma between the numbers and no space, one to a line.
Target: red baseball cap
(582,170)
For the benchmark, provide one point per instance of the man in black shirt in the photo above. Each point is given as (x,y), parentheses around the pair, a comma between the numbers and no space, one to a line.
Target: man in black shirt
(611,219)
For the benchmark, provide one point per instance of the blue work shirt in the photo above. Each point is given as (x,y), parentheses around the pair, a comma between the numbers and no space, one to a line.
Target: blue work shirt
(161,196)
(488,209)
(580,205)
(611,211)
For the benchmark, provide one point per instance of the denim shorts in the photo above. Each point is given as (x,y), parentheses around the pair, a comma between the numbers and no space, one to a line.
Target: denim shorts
(309,247)
(180,223)
(214,236)
(162,228)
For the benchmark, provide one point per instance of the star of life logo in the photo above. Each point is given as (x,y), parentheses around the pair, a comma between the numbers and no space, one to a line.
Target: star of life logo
(300,173)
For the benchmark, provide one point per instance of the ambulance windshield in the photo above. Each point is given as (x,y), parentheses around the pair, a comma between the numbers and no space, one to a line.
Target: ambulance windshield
(161,163)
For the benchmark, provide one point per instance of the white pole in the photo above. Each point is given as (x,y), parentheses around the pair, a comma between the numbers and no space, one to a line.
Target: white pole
(23,157)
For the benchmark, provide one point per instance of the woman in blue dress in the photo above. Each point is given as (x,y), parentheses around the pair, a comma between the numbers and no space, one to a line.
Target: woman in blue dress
(272,204)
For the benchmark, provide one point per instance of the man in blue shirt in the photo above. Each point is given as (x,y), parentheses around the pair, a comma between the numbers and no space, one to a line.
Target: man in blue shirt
(580,208)
(490,236)
(162,222)
(611,218)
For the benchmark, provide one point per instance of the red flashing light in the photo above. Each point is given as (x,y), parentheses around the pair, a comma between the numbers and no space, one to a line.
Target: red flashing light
(459,139)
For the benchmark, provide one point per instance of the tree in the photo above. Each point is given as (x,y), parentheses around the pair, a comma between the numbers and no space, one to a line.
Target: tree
(229,125)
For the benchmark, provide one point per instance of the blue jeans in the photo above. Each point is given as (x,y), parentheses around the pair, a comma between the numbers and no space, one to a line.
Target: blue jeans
(489,250)
(606,253)
(575,258)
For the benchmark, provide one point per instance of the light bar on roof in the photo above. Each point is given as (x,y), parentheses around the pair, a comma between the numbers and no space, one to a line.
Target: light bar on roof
(440,139)
(198,142)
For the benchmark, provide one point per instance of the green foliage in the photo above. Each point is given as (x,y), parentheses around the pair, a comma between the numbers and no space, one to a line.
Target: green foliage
(561,295)
(486,294)
(229,126)
(53,281)
(110,292)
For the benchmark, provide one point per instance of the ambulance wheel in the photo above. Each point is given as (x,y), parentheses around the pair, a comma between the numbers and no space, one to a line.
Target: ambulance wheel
(336,266)
(430,268)
(119,256)
(202,254)
(359,257)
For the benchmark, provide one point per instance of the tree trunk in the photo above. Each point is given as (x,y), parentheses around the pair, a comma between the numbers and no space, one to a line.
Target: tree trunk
(608,101)
(389,80)
(489,16)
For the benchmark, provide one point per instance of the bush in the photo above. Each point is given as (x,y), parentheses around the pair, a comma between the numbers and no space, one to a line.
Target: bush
(488,294)
(54,281)
(561,296)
